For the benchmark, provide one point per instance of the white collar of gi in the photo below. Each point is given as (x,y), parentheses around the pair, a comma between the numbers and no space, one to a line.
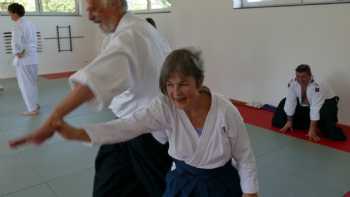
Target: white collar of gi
(311,83)
(20,20)
(123,22)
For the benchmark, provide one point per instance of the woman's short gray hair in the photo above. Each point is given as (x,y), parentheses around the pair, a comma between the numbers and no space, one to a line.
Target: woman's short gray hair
(186,61)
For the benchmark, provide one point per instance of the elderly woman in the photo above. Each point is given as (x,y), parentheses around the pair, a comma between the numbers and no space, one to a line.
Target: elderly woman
(207,137)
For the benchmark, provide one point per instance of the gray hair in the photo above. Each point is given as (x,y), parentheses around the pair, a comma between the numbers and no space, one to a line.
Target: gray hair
(186,61)
(124,4)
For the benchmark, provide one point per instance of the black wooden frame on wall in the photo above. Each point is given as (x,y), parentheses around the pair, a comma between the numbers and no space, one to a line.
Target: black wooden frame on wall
(60,38)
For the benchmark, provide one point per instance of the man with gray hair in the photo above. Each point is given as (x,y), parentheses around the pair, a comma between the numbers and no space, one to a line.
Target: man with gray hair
(126,70)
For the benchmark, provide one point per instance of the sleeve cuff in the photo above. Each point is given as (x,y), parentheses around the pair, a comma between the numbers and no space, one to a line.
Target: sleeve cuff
(289,112)
(90,131)
(314,115)
(160,137)
(251,188)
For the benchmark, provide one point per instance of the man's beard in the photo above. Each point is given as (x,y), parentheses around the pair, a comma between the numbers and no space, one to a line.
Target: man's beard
(107,28)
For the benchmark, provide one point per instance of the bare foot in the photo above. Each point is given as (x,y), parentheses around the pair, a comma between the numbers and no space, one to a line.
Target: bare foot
(32,113)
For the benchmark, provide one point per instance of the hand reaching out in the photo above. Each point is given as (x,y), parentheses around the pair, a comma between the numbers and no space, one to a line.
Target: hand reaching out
(37,137)
(71,133)
(76,97)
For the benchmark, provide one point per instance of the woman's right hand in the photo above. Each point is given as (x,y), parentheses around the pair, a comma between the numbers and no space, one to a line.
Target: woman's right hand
(69,132)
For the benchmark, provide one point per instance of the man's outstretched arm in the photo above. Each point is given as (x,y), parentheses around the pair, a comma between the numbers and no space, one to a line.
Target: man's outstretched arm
(76,97)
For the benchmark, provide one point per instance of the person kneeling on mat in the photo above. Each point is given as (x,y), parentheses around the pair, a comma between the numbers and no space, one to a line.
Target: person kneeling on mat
(309,104)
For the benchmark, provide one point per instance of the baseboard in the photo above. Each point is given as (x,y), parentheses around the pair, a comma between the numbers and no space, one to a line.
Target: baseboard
(238,102)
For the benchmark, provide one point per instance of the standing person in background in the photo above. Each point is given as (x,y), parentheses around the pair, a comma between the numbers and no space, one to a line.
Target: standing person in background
(126,70)
(26,61)
(309,104)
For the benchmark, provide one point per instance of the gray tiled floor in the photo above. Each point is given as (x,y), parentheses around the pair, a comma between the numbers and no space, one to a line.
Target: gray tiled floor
(57,168)
(287,167)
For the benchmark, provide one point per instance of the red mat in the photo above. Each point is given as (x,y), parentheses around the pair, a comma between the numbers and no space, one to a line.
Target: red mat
(262,118)
(347,194)
(58,75)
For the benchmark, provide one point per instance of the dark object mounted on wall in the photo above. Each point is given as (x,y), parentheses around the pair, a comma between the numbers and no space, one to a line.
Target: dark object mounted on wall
(7,36)
(64,38)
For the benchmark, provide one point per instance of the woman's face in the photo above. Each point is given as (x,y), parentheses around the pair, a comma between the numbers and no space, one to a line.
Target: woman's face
(182,90)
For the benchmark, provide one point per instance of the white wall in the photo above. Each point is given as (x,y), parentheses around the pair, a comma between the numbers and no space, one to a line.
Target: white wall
(251,54)
(52,61)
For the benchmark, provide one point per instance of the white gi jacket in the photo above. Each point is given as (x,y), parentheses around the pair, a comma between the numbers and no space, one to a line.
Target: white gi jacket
(24,38)
(127,67)
(316,94)
(224,136)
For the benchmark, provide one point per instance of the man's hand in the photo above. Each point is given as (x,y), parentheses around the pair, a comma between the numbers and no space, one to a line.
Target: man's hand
(36,137)
(21,54)
(77,96)
(288,126)
(312,135)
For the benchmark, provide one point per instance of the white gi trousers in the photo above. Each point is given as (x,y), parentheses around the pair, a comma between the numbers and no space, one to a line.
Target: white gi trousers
(27,76)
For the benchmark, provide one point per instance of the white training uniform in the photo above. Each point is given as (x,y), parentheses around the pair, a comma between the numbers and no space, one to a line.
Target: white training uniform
(224,136)
(316,94)
(24,39)
(127,67)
